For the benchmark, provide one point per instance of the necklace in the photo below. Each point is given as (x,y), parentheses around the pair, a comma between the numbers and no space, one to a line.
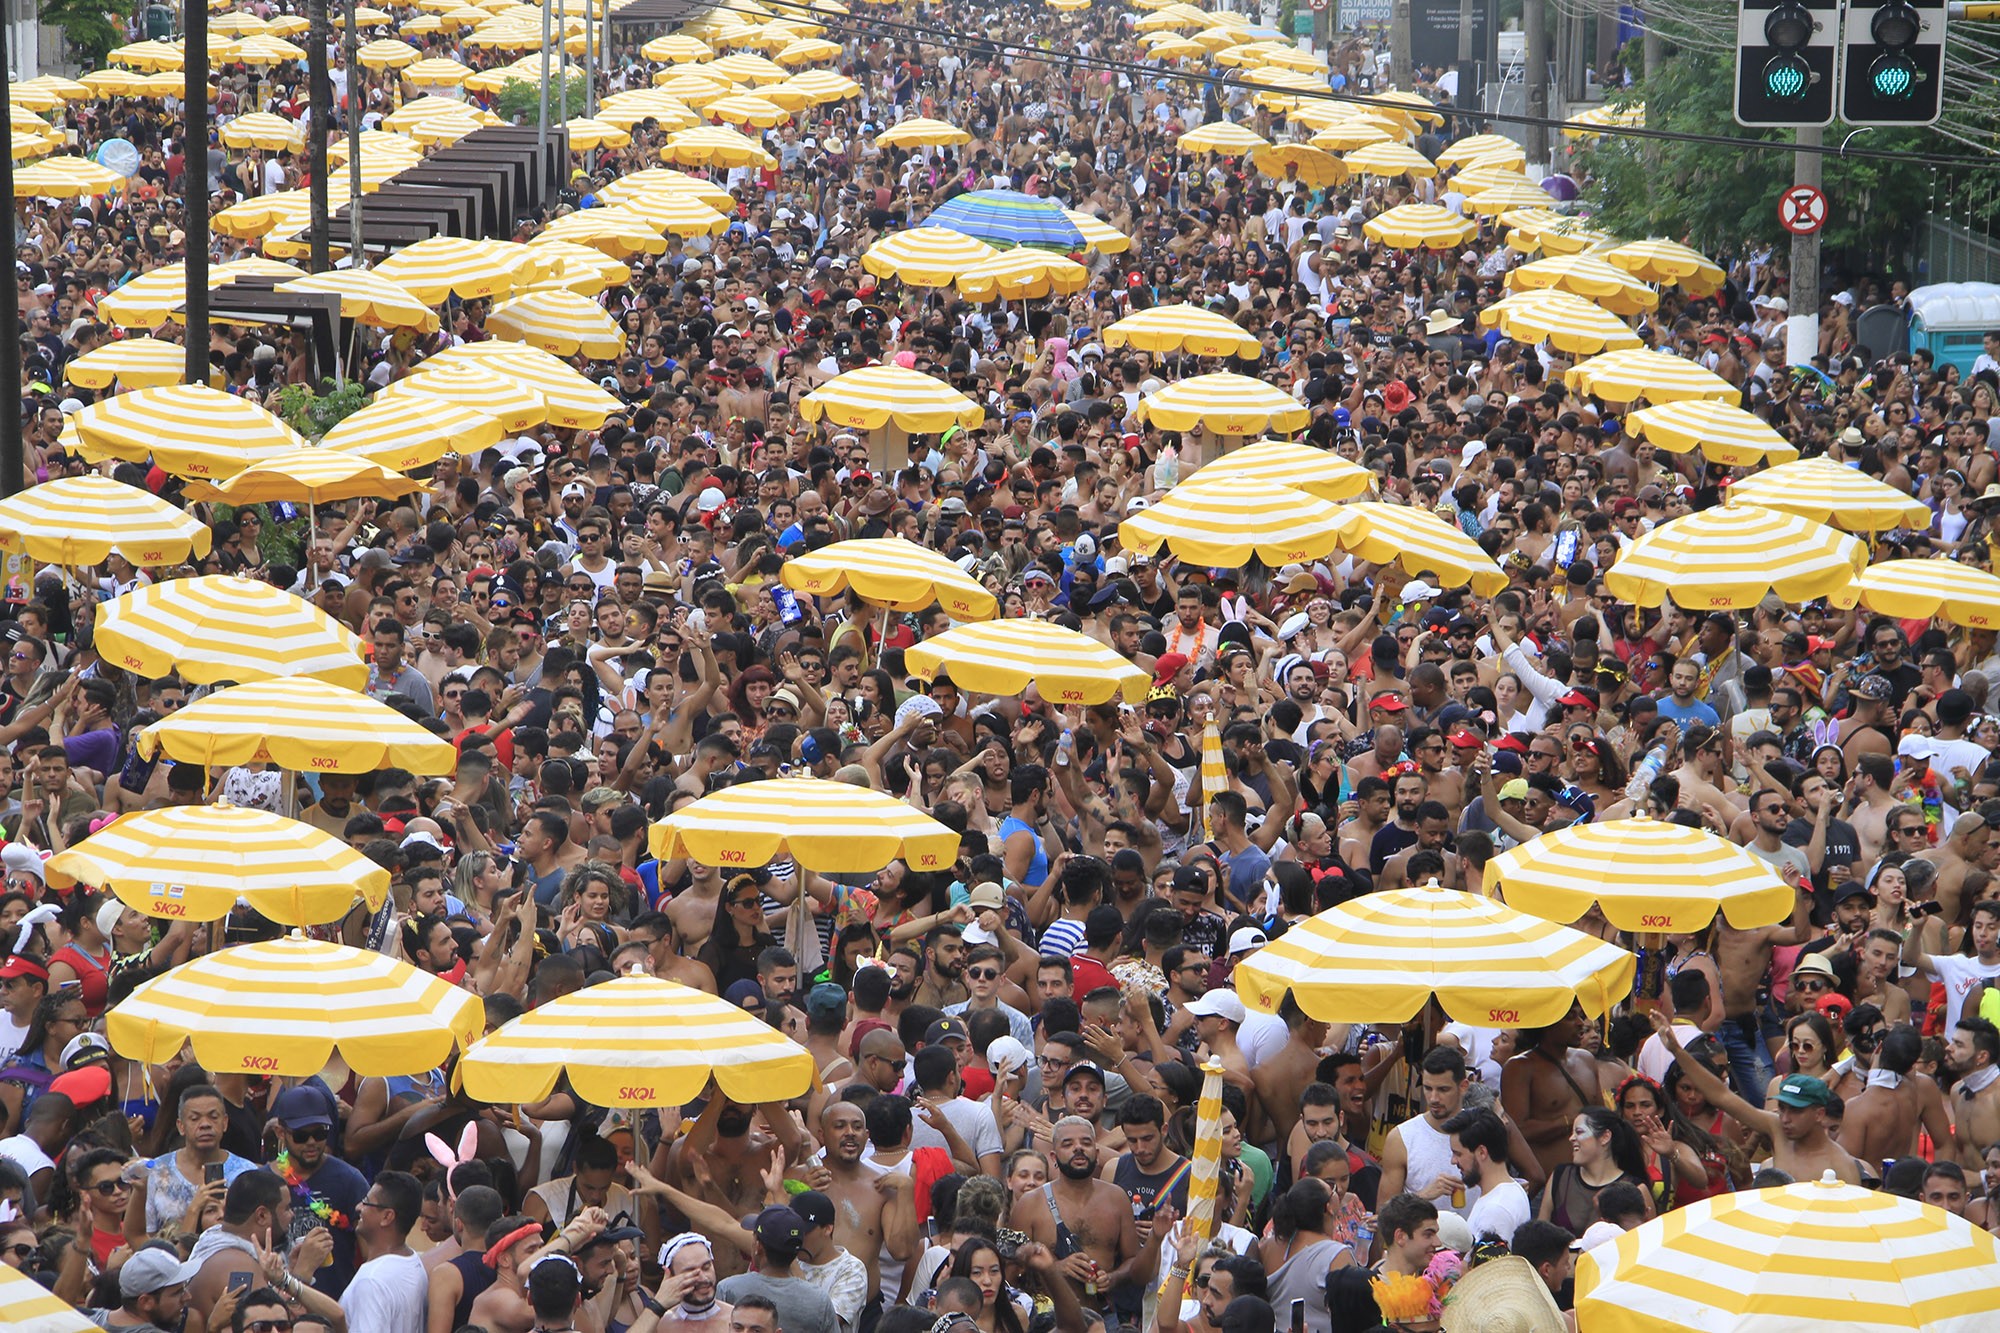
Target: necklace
(303,1194)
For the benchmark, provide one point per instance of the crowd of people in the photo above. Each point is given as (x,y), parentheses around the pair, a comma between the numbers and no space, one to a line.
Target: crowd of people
(1009,1050)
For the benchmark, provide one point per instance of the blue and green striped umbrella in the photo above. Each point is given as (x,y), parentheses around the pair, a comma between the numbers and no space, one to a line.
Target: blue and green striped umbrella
(1006,218)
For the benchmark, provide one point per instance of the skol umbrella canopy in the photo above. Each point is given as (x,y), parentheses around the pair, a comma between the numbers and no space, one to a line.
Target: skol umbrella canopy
(925,256)
(1586,275)
(1182,327)
(1566,322)
(446,266)
(81,520)
(189,430)
(193,862)
(1668,262)
(66,178)
(1725,434)
(1421,542)
(637,1041)
(1381,957)
(26,1306)
(655,180)
(405,433)
(1233,520)
(1021,274)
(559,322)
(370,297)
(1657,377)
(261,129)
(300,724)
(1098,234)
(1389,159)
(1005,219)
(922,132)
(831,827)
(221,627)
(568,399)
(716,146)
(1733,557)
(893,572)
(1302,467)
(1225,403)
(132,363)
(1004,657)
(1926,589)
(1223,136)
(618,231)
(283,1008)
(472,388)
(309,476)
(1826,492)
(1648,875)
(1419,227)
(874,396)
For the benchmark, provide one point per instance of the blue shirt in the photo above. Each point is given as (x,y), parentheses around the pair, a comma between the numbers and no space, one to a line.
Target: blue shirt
(1694,710)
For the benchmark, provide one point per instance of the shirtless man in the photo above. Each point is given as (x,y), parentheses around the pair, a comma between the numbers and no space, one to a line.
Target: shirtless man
(1800,1144)
(1974,1055)
(867,1218)
(1743,957)
(1874,776)
(1086,1222)
(1955,857)
(1867,727)
(1881,953)
(670,953)
(1881,1120)
(1282,1078)
(692,910)
(690,1272)
(1544,1087)
(1704,773)
(1372,804)
(513,1244)
(720,1162)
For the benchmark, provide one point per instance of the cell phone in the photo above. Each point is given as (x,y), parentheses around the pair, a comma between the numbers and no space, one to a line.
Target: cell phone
(1298,1316)
(1932,908)
(211,1173)
(240,1282)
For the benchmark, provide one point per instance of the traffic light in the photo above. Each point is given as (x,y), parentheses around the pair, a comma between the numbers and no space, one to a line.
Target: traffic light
(1785,58)
(1894,71)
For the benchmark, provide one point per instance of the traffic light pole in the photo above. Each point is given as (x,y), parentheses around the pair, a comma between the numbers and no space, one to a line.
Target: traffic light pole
(1802,323)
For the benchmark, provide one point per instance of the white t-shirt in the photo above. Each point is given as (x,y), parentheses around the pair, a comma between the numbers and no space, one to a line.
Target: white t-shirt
(25,1153)
(1959,974)
(387,1295)
(1261,1037)
(1499,1212)
(974,1122)
(1655,1059)
(11,1036)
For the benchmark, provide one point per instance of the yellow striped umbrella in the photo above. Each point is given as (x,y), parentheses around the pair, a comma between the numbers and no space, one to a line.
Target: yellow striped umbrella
(659,180)
(1224,403)
(1668,262)
(586,134)
(567,398)
(1182,328)
(637,1041)
(1586,275)
(160,87)
(925,256)
(691,89)
(291,25)
(189,430)
(1929,589)
(559,322)
(1225,137)
(876,396)
(261,129)
(373,143)
(746,109)
(444,130)
(445,266)
(676,212)
(1173,47)
(676,49)
(745,67)
(1471,180)
(1228,521)
(1205,1163)
(807,51)
(891,572)
(627,110)
(1314,167)
(237,25)
(67,90)
(921,132)
(1279,89)
(617,231)
(577,268)
(148,56)
(192,863)
(220,627)
(26,1306)
(388,53)
(368,296)
(1566,322)
(510,403)
(134,363)
(1649,876)
(1021,274)
(1381,957)
(1422,543)
(1814,1254)
(1344,135)
(1473,147)
(405,433)
(1502,197)
(1419,227)
(1214,773)
(425,108)
(1825,492)
(309,476)
(715,146)
(830,827)
(264,49)
(151,299)
(1004,657)
(436,72)
(81,520)
(1302,467)
(1561,236)
(266,214)
(1726,435)
(1390,159)
(1658,377)
(817,86)
(301,724)
(66,178)
(23,145)
(1732,557)
(1098,234)
(285,1006)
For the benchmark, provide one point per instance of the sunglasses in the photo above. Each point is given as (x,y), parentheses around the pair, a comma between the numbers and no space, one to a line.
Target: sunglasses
(983,973)
(269,1326)
(107,1188)
(310,1133)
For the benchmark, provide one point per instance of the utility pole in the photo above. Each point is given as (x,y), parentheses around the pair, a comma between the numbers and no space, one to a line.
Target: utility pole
(1399,45)
(1465,96)
(194,183)
(13,462)
(1535,77)
(542,127)
(1802,323)
(319,96)
(354,98)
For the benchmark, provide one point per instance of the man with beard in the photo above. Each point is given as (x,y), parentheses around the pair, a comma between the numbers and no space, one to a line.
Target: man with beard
(688,1293)
(873,1211)
(153,1293)
(304,1129)
(1974,1056)
(1087,1223)
(719,1161)
(1407,797)
(513,1244)
(429,944)
(943,982)
(388,1290)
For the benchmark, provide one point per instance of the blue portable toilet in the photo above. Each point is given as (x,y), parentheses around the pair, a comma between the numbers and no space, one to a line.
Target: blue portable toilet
(1952,320)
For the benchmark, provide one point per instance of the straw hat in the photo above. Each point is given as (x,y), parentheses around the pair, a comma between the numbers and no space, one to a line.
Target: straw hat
(1502,1296)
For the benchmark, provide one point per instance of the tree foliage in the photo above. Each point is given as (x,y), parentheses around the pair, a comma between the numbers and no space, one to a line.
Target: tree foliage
(91,27)
(521,100)
(314,414)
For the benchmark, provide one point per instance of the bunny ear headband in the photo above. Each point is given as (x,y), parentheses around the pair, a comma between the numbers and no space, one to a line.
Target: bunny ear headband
(468,1145)
(42,915)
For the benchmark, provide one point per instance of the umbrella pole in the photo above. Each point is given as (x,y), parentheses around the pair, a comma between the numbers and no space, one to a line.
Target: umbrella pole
(312,535)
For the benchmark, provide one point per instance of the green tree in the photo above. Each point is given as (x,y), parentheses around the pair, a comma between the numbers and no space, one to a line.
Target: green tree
(91,27)
(314,414)
(521,100)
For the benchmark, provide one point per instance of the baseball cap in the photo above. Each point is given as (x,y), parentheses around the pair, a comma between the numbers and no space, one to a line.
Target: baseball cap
(1514,789)
(780,1229)
(152,1269)
(1877,688)
(945,1029)
(813,1208)
(1218,1004)
(19,966)
(1803,1090)
(1247,938)
(987,894)
(298,1107)
(826,998)
(1085,1068)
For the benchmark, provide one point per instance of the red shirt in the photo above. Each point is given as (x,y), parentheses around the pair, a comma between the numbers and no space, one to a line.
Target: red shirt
(1088,974)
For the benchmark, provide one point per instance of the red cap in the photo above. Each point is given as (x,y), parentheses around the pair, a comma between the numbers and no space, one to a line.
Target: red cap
(1575,699)
(1388,703)
(21,966)
(1815,644)
(83,1086)
(1167,666)
(1512,743)
(1466,740)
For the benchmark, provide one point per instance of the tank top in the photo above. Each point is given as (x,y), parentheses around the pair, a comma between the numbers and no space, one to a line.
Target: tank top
(92,973)
(1038,866)
(1428,1152)
(1303,1278)
(474,1277)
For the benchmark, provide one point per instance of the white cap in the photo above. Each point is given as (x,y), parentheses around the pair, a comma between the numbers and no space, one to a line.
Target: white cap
(1007,1053)
(1247,938)
(108,916)
(1416,590)
(1218,1004)
(711,498)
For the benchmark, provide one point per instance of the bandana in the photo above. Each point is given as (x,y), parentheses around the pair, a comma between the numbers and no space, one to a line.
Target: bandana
(1883,1078)
(686,1309)
(1978,1081)
(499,1247)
